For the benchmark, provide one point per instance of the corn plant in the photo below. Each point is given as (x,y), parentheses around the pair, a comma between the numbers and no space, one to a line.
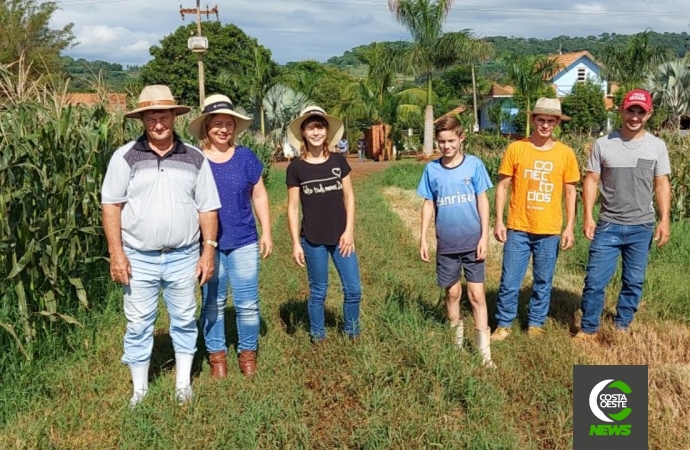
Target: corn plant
(51,243)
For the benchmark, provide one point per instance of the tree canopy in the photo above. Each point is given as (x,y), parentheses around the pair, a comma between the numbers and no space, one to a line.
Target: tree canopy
(586,108)
(85,75)
(175,65)
(26,32)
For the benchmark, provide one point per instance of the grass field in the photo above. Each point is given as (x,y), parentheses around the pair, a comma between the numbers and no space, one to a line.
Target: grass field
(402,385)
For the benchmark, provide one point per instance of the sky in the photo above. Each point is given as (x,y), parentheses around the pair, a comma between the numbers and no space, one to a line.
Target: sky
(122,31)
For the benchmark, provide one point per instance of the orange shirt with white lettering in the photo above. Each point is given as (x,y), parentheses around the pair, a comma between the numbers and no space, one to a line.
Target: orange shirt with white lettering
(538,177)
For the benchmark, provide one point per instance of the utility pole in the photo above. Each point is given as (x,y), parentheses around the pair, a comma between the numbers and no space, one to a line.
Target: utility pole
(199,44)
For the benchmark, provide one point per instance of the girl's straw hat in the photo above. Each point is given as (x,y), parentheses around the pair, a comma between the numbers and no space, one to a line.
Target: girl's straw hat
(335,127)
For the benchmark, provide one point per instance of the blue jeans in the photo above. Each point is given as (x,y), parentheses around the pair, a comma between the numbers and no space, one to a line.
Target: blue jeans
(632,242)
(517,250)
(240,267)
(175,272)
(360,154)
(316,257)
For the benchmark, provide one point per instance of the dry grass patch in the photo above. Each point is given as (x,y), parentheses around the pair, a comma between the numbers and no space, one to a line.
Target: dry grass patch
(407,205)
(665,348)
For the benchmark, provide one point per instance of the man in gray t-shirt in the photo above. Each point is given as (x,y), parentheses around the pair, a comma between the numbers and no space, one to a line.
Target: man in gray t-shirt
(627,167)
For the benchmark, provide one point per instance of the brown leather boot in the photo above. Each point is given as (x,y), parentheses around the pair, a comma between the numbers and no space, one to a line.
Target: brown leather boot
(247,362)
(219,365)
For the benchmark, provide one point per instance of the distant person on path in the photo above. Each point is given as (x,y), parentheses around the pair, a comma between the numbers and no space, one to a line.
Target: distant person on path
(454,190)
(159,201)
(319,181)
(237,174)
(629,167)
(537,169)
(361,148)
(343,146)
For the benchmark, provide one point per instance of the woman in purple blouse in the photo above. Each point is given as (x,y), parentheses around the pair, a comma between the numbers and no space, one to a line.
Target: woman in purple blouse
(237,173)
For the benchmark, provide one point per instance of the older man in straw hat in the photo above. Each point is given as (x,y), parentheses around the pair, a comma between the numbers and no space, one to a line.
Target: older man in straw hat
(538,169)
(158,195)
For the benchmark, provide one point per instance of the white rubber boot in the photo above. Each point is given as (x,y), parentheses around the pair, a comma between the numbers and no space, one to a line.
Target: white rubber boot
(483,343)
(459,329)
(140,383)
(183,386)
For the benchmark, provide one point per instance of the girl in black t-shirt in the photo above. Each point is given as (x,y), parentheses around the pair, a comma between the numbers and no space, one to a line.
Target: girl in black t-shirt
(319,181)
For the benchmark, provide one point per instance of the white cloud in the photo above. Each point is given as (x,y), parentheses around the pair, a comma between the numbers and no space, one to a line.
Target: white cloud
(312,29)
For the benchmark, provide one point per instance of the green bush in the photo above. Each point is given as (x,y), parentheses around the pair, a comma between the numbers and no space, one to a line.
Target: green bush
(263,150)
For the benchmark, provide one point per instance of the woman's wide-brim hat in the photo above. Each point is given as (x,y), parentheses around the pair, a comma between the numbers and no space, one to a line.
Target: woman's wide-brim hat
(548,107)
(335,127)
(156,97)
(218,104)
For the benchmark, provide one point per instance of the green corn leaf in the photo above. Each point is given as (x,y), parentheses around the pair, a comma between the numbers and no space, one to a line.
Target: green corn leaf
(10,329)
(23,261)
(23,309)
(81,292)
(66,317)
(51,303)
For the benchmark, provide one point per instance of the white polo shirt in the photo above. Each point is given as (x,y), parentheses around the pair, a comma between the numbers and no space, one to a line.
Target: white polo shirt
(162,196)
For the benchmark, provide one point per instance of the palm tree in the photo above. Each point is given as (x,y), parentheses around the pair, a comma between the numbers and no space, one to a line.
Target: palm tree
(259,78)
(529,74)
(375,98)
(670,88)
(434,49)
(629,65)
(281,105)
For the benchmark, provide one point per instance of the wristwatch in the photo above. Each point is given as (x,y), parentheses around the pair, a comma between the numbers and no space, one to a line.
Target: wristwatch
(213,244)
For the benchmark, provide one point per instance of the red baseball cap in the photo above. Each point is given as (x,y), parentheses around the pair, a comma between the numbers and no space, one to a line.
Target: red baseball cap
(638,97)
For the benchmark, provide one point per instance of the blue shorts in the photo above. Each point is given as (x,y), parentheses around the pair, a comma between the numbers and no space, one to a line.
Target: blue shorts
(450,267)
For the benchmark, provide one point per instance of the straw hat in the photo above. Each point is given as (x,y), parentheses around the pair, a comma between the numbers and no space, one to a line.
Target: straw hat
(335,127)
(156,97)
(548,107)
(218,104)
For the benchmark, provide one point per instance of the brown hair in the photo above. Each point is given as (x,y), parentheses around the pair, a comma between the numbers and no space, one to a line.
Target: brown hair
(318,122)
(448,123)
(205,141)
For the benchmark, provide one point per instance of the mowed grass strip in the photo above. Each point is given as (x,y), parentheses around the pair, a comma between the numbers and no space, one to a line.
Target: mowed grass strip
(402,385)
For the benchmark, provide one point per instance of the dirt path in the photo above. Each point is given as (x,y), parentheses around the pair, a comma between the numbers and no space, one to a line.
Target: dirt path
(359,169)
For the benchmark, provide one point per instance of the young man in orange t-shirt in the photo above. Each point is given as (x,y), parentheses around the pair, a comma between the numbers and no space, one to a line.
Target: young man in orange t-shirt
(538,169)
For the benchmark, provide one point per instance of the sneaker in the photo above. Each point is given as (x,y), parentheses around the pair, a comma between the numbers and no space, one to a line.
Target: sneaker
(535,331)
(184,395)
(581,336)
(500,333)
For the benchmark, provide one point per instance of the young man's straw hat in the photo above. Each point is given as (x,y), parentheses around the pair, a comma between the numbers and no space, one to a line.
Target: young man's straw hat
(548,107)
(156,97)
(335,127)
(218,104)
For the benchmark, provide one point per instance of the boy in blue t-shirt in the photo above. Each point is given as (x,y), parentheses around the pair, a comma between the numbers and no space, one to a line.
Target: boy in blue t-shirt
(454,188)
